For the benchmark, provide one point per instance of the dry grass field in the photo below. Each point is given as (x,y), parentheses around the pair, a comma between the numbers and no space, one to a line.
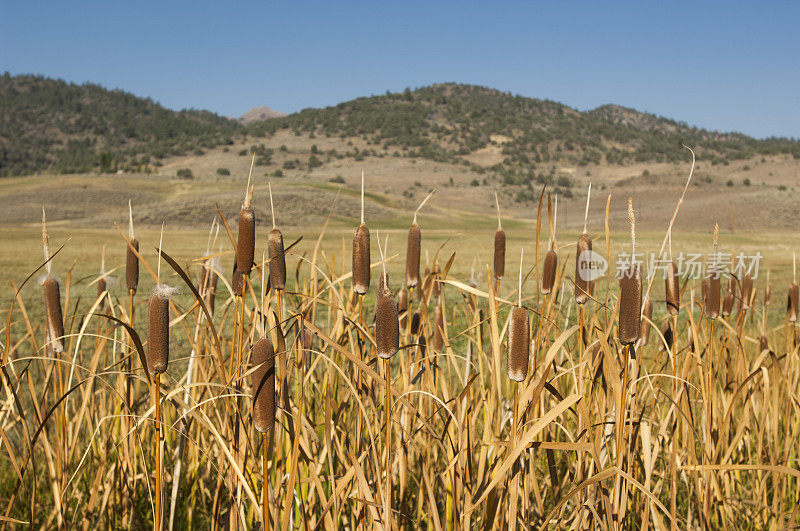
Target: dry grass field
(692,429)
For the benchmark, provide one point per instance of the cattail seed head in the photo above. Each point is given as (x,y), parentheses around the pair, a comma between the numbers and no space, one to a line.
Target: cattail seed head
(794,297)
(361,259)
(158,329)
(102,286)
(499,253)
(262,381)
(647,316)
(132,266)
(387,324)
(713,297)
(673,289)
(246,247)
(415,323)
(402,307)
(519,344)
(666,331)
(412,255)
(237,281)
(54,316)
(727,303)
(747,291)
(630,305)
(549,271)
(277,260)
(763,344)
(582,287)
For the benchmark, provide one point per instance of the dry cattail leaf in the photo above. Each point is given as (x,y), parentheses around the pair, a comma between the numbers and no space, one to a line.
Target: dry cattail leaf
(262,381)
(713,297)
(499,253)
(794,297)
(132,266)
(438,339)
(412,255)
(158,329)
(673,289)
(519,344)
(55,318)
(246,246)
(690,338)
(582,287)
(747,291)
(277,260)
(704,289)
(644,331)
(549,271)
(387,324)
(630,305)
(211,290)
(361,260)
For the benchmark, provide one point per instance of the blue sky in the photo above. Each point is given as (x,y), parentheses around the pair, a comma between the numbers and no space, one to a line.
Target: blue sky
(720,65)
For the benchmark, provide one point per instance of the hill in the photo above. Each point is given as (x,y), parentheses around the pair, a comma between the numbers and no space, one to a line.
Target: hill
(257,114)
(52,125)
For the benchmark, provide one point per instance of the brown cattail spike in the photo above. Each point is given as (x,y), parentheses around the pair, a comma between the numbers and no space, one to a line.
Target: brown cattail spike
(647,316)
(519,344)
(277,260)
(713,296)
(262,381)
(402,307)
(666,331)
(672,288)
(747,292)
(55,319)
(387,324)
(549,271)
(158,329)
(132,266)
(630,305)
(412,255)
(499,245)
(727,303)
(246,246)
(794,299)
(361,260)
(237,281)
(582,269)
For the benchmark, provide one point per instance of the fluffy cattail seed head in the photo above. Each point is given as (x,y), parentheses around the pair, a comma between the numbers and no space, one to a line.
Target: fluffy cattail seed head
(277,260)
(132,266)
(361,259)
(499,253)
(55,319)
(387,324)
(549,271)
(246,246)
(630,305)
(262,381)
(158,329)
(727,303)
(794,298)
(582,287)
(673,289)
(519,344)
(412,255)
(647,316)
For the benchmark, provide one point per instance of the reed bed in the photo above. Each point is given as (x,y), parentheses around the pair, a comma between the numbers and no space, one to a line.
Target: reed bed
(305,405)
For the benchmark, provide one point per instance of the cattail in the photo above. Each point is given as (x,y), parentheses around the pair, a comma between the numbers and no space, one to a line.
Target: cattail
(158,329)
(55,319)
(246,246)
(673,289)
(582,286)
(436,286)
(438,339)
(499,246)
(794,298)
(361,258)
(644,330)
(361,255)
(666,331)
(211,290)
(519,344)
(415,323)
(277,260)
(630,304)
(713,296)
(237,281)
(747,292)
(262,380)
(387,325)
(763,344)
(402,307)
(131,258)
(549,271)
(412,255)
(630,293)
(727,303)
